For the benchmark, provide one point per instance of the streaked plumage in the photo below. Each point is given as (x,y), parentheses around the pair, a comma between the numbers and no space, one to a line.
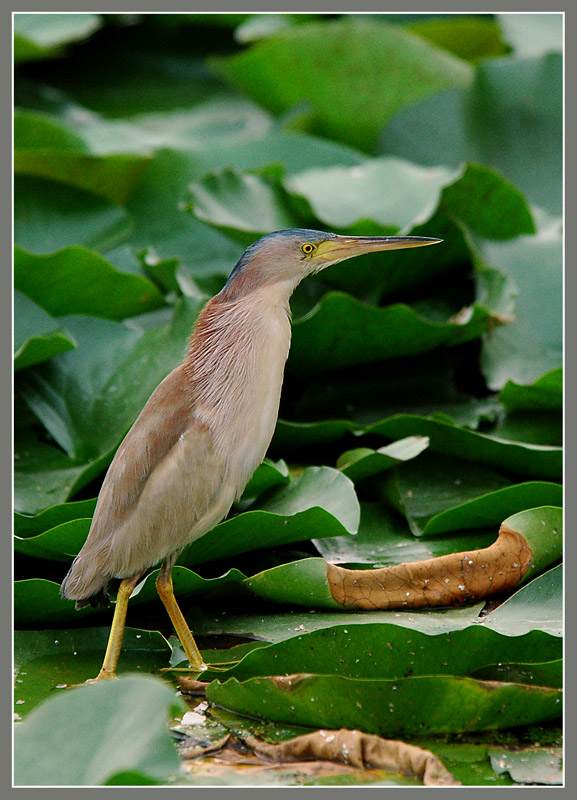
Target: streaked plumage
(208,425)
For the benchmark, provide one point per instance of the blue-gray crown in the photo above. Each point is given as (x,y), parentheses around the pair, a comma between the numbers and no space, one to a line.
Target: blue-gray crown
(298,234)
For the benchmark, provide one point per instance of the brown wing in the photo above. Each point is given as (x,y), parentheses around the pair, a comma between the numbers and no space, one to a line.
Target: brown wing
(164,418)
(166,456)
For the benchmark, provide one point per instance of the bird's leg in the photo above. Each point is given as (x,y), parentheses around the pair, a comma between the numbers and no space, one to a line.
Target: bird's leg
(166,593)
(117,628)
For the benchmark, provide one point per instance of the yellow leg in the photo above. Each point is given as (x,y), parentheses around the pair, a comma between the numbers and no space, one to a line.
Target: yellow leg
(117,629)
(166,593)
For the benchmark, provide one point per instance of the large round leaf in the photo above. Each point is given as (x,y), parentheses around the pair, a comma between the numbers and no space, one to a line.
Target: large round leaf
(77,281)
(50,215)
(38,36)
(511,100)
(38,336)
(391,708)
(99,734)
(375,62)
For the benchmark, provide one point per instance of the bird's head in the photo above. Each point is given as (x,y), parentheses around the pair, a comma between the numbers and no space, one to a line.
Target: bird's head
(290,255)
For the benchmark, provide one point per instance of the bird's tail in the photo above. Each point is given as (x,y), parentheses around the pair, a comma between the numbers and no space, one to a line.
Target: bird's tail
(85,584)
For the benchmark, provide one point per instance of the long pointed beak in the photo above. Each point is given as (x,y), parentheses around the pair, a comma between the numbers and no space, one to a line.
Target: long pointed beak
(342,247)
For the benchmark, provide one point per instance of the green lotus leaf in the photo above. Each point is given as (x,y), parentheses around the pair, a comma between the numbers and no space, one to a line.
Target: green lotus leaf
(77,281)
(539,604)
(40,131)
(49,215)
(38,336)
(472,38)
(385,539)
(341,331)
(509,101)
(538,462)
(532,344)
(120,724)
(364,462)
(309,52)
(533,34)
(391,708)
(119,364)
(26,525)
(438,494)
(39,36)
(47,661)
(385,651)
(545,394)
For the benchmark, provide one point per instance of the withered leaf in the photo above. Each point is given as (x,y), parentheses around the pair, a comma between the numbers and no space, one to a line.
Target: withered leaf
(444,581)
(358,749)
(350,748)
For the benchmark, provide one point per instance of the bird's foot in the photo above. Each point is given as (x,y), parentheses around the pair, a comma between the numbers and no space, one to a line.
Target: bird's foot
(103,675)
(99,678)
(196,670)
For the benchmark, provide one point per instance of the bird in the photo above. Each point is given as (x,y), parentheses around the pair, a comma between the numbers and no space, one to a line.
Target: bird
(204,430)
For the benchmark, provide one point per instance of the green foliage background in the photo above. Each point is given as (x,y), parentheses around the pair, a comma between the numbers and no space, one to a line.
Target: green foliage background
(423,398)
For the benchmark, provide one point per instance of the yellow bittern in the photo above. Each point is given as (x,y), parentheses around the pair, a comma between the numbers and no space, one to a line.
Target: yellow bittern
(205,428)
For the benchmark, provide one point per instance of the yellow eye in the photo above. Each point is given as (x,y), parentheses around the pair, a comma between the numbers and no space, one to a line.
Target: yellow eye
(308,248)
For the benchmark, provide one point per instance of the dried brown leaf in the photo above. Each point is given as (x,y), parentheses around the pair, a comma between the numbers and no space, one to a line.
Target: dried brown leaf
(357,749)
(192,686)
(449,580)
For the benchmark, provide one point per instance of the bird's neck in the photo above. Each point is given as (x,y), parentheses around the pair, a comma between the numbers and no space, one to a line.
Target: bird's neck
(232,314)
(235,366)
